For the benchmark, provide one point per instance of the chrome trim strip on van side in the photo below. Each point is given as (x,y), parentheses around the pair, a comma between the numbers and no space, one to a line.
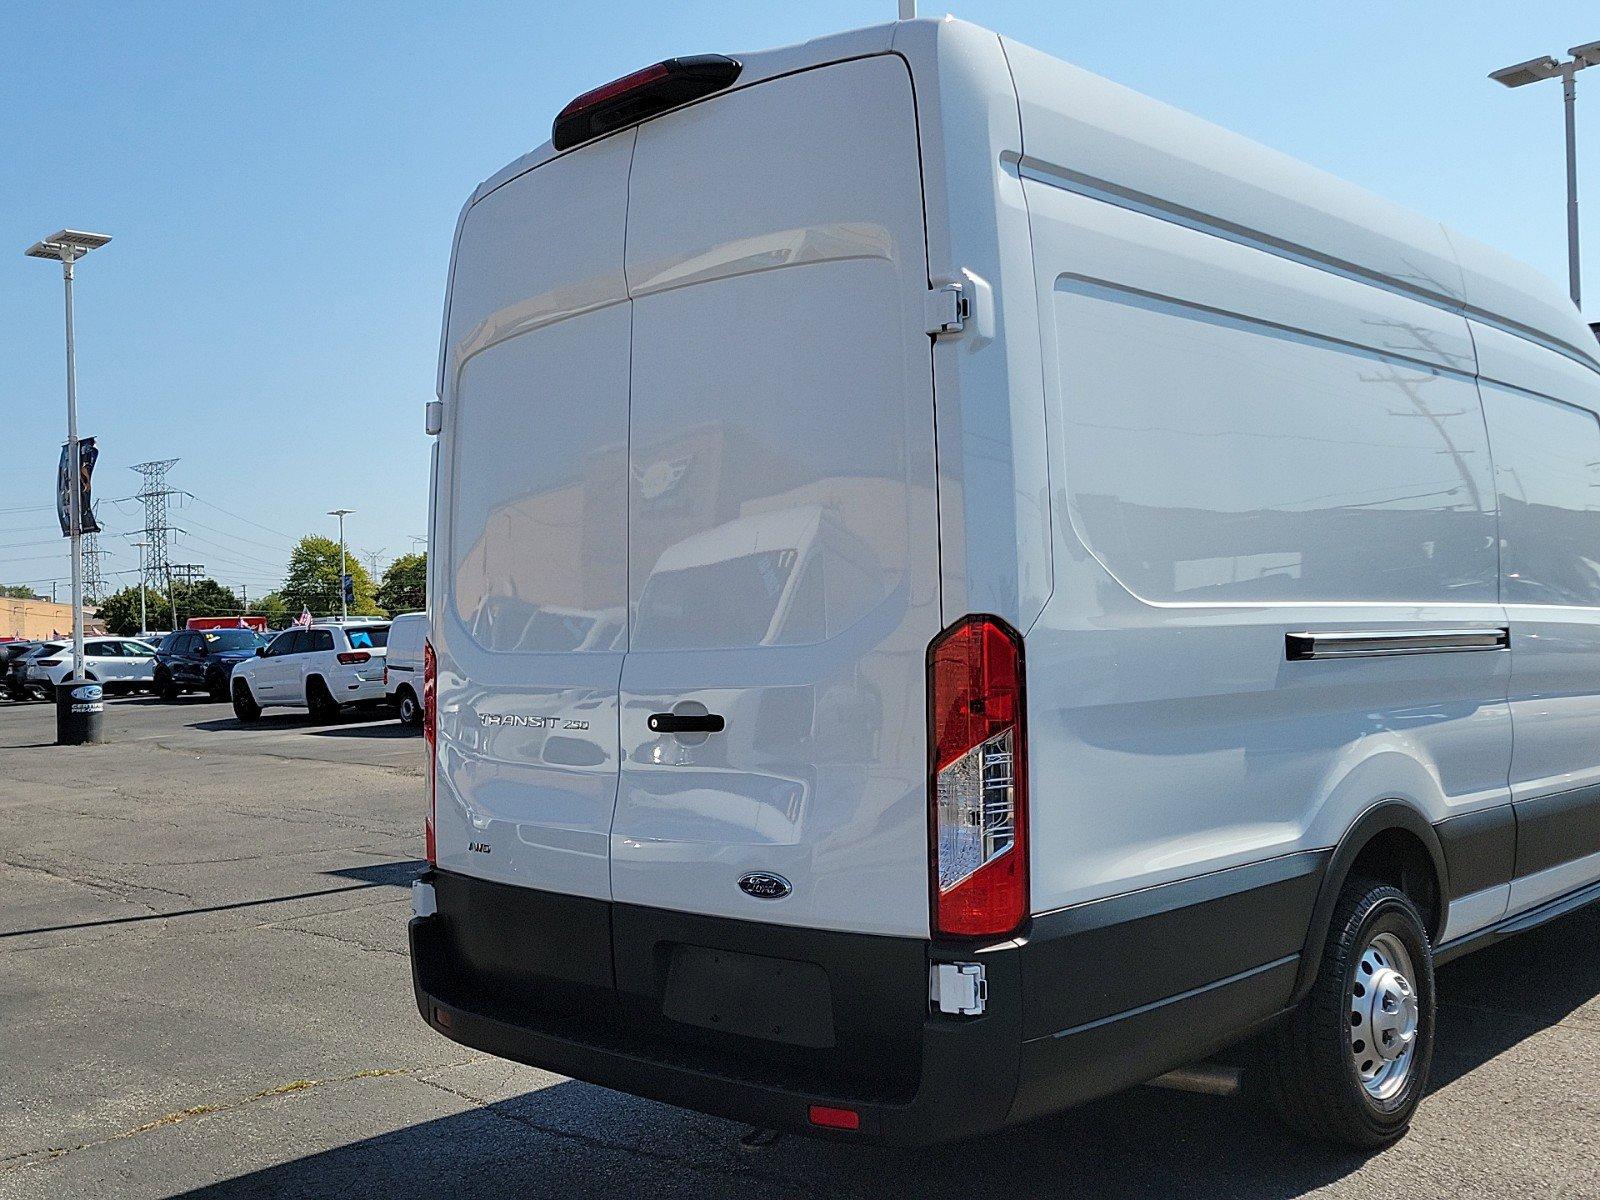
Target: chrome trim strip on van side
(1364,643)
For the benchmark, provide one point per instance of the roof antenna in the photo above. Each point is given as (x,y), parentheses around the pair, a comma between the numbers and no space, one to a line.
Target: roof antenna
(908,10)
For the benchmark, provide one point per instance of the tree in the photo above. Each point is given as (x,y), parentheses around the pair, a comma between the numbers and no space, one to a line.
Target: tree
(204,598)
(405,584)
(273,607)
(120,610)
(17,591)
(313,580)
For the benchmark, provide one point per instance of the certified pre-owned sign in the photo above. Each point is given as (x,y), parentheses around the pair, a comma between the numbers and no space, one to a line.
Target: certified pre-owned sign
(87,698)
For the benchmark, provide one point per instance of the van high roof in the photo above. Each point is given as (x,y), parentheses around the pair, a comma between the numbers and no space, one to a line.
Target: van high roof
(1087,134)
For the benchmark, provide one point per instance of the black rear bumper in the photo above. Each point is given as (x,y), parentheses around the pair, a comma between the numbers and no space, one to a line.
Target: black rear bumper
(759,1022)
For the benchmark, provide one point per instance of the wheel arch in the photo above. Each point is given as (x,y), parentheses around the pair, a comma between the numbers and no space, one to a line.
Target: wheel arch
(1395,843)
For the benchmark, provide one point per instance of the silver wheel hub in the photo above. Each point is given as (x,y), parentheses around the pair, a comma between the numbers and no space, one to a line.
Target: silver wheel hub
(1383,1017)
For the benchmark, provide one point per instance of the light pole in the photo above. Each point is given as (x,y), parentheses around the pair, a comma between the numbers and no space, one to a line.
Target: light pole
(144,625)
(1532,71)
(67,246)
(342,513)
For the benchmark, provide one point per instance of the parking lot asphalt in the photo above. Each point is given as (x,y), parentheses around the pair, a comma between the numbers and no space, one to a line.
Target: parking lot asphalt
(204,992)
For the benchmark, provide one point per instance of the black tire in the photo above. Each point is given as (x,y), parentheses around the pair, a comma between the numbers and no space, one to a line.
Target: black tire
(244,704)
(408,707)
(320,701)
(166,687)
(1314,1077)
(217,686)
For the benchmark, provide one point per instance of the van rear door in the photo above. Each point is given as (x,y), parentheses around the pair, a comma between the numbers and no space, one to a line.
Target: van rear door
(782,527)
(533,463)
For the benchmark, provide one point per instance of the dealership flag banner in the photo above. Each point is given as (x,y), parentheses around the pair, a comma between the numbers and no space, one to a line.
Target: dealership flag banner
(87,453)
(304,619)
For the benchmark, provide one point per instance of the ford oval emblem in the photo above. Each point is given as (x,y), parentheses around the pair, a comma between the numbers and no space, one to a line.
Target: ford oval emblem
(764,885)
(89,691)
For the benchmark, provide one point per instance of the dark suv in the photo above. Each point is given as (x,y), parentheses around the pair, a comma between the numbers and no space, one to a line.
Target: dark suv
(201,660)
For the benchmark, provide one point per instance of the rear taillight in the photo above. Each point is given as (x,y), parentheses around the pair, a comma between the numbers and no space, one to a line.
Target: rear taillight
(351,657)
(977,792)
(430,736)
(642,94)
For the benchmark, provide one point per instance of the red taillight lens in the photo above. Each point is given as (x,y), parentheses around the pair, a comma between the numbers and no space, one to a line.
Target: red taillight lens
(642,94)
(430,737)
(351,657)
(825,1116)
(977,792)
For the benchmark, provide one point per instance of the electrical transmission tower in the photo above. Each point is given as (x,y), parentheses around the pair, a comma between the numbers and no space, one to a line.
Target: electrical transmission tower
(154,494)
(94,576)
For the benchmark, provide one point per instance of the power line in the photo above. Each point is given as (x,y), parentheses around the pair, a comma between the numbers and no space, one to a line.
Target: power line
(202,500)
(235,537)
(237,554)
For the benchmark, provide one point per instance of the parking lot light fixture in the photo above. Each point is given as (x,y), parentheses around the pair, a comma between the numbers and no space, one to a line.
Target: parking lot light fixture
(342,513)
(1534,70)
(67,246)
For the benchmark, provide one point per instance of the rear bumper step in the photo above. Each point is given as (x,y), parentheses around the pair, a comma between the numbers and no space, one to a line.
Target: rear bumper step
(758,1023)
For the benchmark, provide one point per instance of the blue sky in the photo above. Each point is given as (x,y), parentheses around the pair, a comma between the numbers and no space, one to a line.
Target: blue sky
(282,181)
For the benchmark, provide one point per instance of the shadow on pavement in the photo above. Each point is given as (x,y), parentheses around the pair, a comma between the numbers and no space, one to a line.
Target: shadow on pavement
(1144,1144)
(392,728)
(572,1139)
(392,874)
(1490,1000)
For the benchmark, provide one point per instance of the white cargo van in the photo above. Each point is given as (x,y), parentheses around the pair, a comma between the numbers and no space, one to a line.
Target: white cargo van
(961,589)
(402,665)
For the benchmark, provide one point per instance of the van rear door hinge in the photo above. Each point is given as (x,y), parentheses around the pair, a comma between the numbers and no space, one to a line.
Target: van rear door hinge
(946,309)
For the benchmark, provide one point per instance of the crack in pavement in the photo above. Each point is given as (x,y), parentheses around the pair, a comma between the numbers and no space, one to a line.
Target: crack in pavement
(118,889)
(24,1159)
(354,943)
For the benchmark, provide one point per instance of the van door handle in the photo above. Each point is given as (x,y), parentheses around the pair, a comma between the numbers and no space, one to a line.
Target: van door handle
(685,723)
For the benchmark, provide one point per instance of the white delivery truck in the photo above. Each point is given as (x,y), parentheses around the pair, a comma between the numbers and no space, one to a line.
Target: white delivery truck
(961,589)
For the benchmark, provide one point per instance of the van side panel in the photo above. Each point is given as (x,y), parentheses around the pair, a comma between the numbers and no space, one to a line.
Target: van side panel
(530,546)
(1248,447)
(783,540)
(1541,409)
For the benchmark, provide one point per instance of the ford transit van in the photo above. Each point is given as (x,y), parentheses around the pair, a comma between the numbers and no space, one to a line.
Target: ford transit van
(961,589)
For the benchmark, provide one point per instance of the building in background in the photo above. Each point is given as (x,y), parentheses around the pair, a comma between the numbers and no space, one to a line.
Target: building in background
(37,620)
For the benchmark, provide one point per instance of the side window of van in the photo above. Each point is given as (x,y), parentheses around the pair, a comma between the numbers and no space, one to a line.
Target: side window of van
(1547,471)
(1213,458)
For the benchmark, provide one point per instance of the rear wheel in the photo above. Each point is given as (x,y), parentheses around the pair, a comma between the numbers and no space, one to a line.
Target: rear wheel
(410,710)
(244,704)
(1351,1063)
(320,700)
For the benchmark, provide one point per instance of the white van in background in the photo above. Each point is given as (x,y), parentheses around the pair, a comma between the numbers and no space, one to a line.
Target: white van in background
(402,665)
(1066,578)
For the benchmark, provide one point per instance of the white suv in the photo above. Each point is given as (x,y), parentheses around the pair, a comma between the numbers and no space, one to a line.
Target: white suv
(120,664)
(322,668)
